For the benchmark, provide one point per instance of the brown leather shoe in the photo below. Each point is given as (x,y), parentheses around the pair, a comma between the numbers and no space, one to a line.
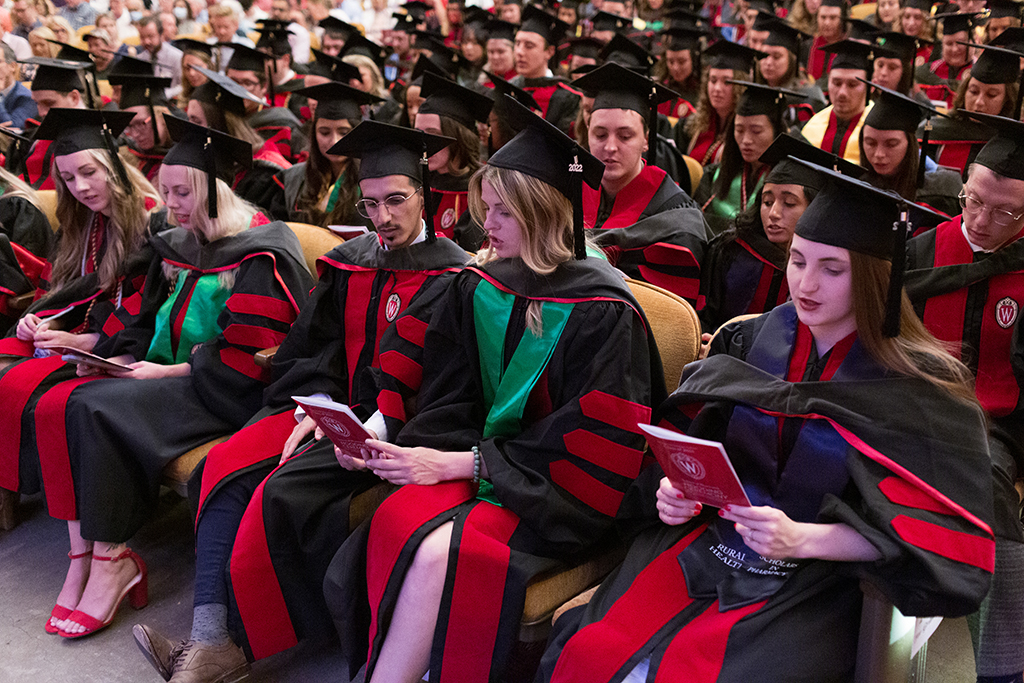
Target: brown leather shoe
(203,663)
(157,650)
(8,509)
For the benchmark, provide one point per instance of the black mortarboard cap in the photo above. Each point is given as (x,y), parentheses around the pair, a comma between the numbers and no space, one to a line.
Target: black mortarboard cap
(923,5)
(504,87)
(681,17)
(897,46)
(995,64)
(220,91)
(955,22)
(54,74)
(862,30)
(71,53)
(1004,153)
(787,172)
(441,53)
(333,25)
(193,45)
(536,20)
(361,45)
(1001,9)
(587,47)
(762,99)
(621,50)
(850,54)
(895,111)
(431,64)
(406,23)
(139,91)
(683,38)
(501,30)
(417,9)
(474,15)
(336,101)
(606,21)
(542,151)
(445,97)
(1012,38)
(781,34)
(394,150)
(333,68)
(274,38)
(726,54)
(245,58)
(212,152)
(835,3)
(74,130)
(129,66)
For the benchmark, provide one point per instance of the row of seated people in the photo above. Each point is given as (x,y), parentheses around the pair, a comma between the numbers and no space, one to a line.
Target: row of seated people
(462,445)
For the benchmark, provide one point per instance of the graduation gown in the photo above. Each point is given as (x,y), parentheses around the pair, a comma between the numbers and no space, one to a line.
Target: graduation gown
(651,230)
(25,243)
(707,147)
(281,128)
(940,190)
(897,459)
(148,162)
(256,185)
(722,207)
(956,142)
(558,101)
(555,419)
(120,433)
(742,273)
(823,131)
(367,314)
(451,212)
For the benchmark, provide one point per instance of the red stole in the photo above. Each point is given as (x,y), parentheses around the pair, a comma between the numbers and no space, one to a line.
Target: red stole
(628,204)
(828,140)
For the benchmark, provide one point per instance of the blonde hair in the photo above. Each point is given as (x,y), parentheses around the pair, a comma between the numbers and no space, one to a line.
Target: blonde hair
(54,21)
(544,217)
(46,34)
(915,352)
(127,226)
(13,186)
(377,86)
(222,10)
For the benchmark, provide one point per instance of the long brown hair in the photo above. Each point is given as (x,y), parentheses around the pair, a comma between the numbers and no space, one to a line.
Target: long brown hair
(903,181)
(234,125)
(1009,99)
(464,153)
(126,228)
(320,179)
(700,120)
(915,352)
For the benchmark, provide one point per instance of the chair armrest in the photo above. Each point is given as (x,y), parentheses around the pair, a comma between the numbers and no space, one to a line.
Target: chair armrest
(265,357)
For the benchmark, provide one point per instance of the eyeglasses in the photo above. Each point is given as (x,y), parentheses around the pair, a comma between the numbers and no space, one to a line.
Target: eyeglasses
(974,206)
(369,208)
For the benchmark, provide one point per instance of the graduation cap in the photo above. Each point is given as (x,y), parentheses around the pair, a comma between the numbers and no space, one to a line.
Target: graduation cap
(445,97)
(536,20)
(336,27)
(75,130)
(1012,38)
(129,66)
(995,64)
(245,58)
(762,5)
(870,221)
(588,48)
(214,153)
(336,101)
(394,150)
(681,17)
(333,68)
(504,87)
(850,54)
(622,50)
(274,38)
(1003,9)
(759,99)
(955,22)
(192,45)
(542,151)
(475,16)
(726,54)
(897,46)
(843,4)
(222,92)
(923,5)
(406,23)
(501,30)
(418,9)
(781,34)
(683,38)
(137,91)
(895,111)
(441,53)
(56,74)
(1004,153)
(425,64)
(606,21)
(361,45)
(71,53)
(787,172)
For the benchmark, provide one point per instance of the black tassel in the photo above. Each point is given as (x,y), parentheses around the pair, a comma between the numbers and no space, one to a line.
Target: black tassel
(652,130)
(1020,97)
(152,119)
(211,177)
(273,76)
(579,242)
(924,151)
(428,199)
(894,300)
(122,174)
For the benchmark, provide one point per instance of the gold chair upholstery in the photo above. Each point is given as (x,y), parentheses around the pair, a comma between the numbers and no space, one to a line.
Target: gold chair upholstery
(48,205)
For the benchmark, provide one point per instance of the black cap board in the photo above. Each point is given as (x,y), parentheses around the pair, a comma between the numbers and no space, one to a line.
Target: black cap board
(245,58)
(1012,38)
(361,45)
(781,34)
(445,97)
(835,3)
(335,101)
(333,68)
(923,5)
(75,130)
(862,30)
(192,45)
(536,20)
(726,54)
(1004,153)
(129,66)
(851,54)
(475,16)
(501,30)
(895,45)
(587,47)
(622,50)
(1003,9)
(71,53)
(606,21)
(274,38)
(138,91)
(406,23)
(542,151)
(418,9)
(336,27)
(956,22)
(394,150)
(682,38)
(212,152)
(53,74)
(787,172)
(221,91)
(763,99)
(995,64)
(439,52)
(424,64)
(895,111)
(503,87)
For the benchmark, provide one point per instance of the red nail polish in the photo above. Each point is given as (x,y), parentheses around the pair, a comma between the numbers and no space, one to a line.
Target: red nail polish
(721,513)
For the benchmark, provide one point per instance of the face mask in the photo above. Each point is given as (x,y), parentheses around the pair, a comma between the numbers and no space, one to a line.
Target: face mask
(180,13)
(136,16)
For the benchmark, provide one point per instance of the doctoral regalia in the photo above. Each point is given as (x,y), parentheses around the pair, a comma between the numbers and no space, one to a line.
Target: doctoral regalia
(256,185)
(651,230)
(281,128)
(366,315)
(113,437)
(831,439)
(558,101)
(451,212)
(26,240)
(826,132)
(554,417)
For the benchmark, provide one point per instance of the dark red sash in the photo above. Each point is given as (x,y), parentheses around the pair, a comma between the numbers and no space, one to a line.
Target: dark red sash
(629,203)
(830,133)
(760,303)
(16,388)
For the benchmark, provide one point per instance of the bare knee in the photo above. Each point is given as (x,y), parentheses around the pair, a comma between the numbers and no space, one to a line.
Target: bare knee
(432,555)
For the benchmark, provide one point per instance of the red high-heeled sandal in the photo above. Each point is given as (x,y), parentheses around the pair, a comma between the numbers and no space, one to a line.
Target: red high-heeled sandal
(137,592)
(60,612)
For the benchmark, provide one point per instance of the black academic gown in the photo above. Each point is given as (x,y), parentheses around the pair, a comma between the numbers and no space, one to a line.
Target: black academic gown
(558,102)
(559,458)
(281,127)
(366,315)
(897,459)
(26,240)
(122,432)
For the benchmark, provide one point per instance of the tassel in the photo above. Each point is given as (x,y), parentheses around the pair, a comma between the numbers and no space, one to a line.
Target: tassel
(894,300)
(211,177)
(428,199)
(652,130)
(152,119)
(924,151)
(122,174)
(579,242)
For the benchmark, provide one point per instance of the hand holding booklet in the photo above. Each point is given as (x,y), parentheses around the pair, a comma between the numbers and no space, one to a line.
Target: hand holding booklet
(700,469)
(70,354)
(338,421)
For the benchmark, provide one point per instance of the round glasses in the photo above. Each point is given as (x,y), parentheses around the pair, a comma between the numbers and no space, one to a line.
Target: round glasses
(369,208)
(974,206)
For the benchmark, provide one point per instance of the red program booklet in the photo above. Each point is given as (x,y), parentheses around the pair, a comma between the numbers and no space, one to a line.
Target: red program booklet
(338,422)
(700,469)
(70,354)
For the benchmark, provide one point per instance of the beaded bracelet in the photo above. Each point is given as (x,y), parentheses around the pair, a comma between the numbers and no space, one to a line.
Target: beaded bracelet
(476,465)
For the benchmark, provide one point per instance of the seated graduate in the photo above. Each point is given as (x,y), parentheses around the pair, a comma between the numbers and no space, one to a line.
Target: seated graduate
(148,139)
(965,281)
(536,40)
(836,128)
(369,58)
(649,228)
(859,443)
(323,189)
(678,69)
(728,188)
(277,125)
(955,61)
(219,103)
(195,55)
(704,133)
(782,69)
(237,285)
(829,26)
(893,66)
(453,111)
(889,151)
(485,446)
(26,240)
(93,282)
(282,81)
(394,276)
(744,270)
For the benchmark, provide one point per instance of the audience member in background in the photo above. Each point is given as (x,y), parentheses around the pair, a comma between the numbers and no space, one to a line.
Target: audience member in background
(78,13)
(193,54)
(16,103)
(102,54)
(62,30)
(26,18)
(830,27)
(298,38)
(224,23)
(915,21)
(535,44)
(500,48)
(166,58)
